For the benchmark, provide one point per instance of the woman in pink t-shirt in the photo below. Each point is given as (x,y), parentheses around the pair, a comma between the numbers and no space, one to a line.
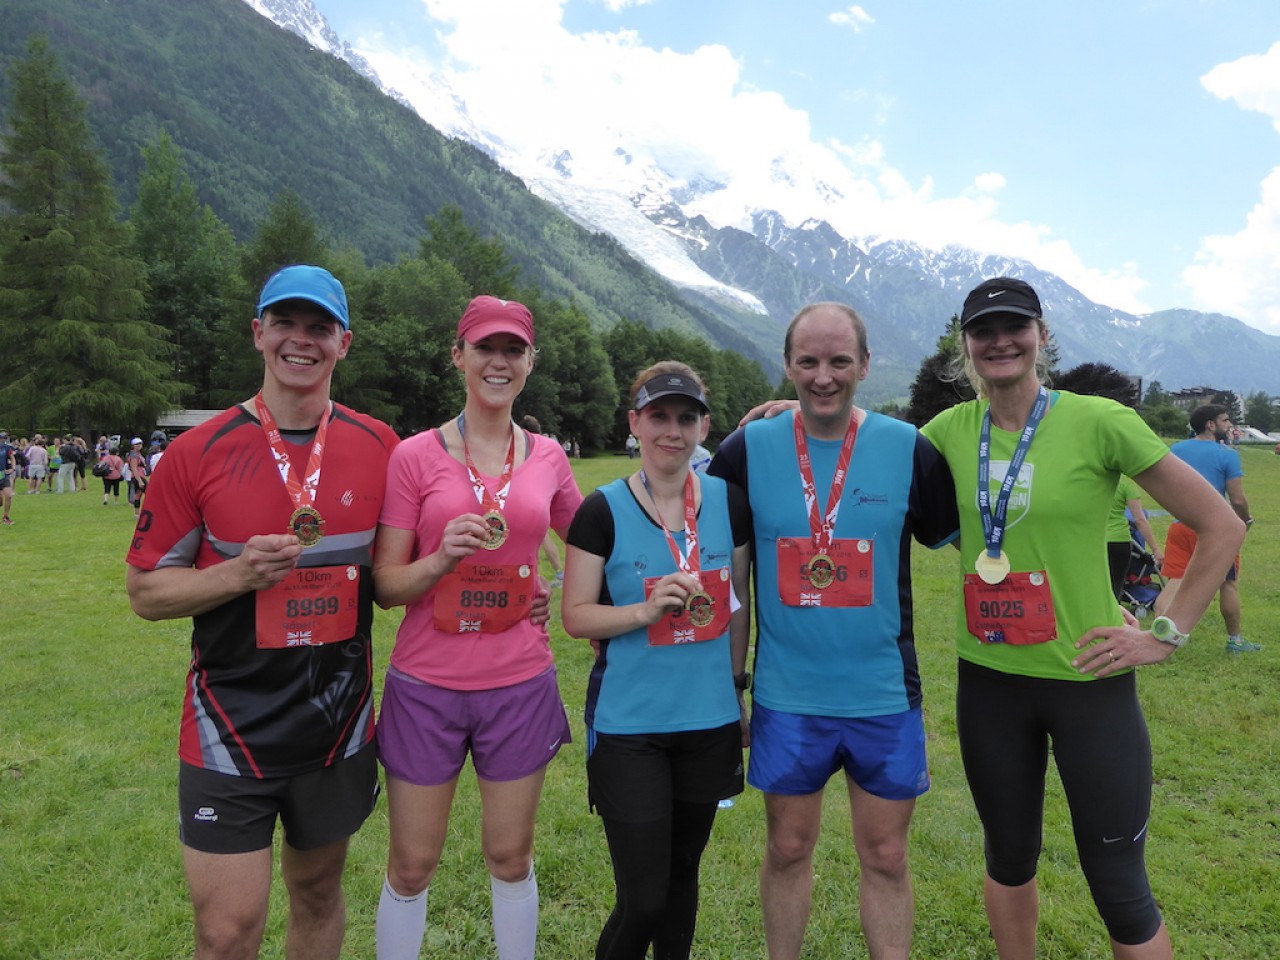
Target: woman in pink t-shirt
(111,479)
(466,510)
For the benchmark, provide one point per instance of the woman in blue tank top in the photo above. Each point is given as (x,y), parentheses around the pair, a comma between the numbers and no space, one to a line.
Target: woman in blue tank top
(655,565)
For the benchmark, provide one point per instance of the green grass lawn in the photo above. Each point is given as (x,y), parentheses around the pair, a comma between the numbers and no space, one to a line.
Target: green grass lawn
(90,864)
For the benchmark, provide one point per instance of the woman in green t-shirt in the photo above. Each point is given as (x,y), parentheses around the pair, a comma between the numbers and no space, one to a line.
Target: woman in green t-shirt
(1045,657)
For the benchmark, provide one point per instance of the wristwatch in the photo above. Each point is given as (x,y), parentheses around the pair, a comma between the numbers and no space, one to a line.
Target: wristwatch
(1166,631)
(742,681)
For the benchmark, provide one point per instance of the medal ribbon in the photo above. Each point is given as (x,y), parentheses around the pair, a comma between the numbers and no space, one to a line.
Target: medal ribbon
(993,522)
(690,563)
(489,500)
(301,490)
(823,528)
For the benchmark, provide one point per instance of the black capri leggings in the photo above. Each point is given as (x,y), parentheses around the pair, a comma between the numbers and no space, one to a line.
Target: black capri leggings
(655,869)
(1103,753)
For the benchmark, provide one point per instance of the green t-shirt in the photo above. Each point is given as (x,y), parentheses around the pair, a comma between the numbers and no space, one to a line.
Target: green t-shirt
(1057,517)
(1117,523)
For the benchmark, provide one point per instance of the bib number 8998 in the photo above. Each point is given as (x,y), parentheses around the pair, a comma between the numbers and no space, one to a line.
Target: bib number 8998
(484,598)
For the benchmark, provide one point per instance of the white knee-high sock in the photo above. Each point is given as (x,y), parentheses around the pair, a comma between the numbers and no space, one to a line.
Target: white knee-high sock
(400,925)
(515,916)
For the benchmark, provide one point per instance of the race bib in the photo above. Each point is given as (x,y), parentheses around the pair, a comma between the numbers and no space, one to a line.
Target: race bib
(839,577)
(311,607)
(704,618)
(484,597)
(1018,610)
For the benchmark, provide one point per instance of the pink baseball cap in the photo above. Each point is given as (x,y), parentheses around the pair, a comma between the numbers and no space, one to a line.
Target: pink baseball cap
(487,315)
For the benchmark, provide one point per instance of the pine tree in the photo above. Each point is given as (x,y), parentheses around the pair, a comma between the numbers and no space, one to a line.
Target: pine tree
(74,351)
(288,234)
(1099,380)
(1259,412)
(935,389)
(483,263)
(572,390)
(405,318)
(191,266)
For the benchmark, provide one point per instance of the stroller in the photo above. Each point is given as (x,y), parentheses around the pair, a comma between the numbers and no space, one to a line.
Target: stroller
(1142,580)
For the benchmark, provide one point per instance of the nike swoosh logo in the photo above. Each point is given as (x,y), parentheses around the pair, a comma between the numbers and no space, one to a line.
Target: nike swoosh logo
(1112,839)
(996,293)
(553,746)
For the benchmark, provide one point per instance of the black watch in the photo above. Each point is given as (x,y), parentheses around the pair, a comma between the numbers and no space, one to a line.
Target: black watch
(742,681)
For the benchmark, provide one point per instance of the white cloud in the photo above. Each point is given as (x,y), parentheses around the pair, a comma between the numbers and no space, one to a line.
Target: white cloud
(855,17)
(1253,82)
(613,6)
(989,182)
(1240,274)
(541,88)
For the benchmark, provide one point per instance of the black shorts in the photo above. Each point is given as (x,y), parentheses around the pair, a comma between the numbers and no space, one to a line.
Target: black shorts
(219,813)
(636,778)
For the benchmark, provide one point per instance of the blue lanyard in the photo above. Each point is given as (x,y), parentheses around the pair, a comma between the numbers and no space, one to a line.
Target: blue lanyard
(993,524)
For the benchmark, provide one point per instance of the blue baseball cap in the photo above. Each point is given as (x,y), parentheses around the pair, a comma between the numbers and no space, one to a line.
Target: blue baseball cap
(303,282)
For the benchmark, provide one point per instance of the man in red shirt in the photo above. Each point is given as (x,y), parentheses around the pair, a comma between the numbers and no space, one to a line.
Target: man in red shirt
(259,525)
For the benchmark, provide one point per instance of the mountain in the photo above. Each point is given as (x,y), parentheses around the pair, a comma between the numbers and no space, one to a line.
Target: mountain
(263,96)
(308,23)
(686,229)
(256,110)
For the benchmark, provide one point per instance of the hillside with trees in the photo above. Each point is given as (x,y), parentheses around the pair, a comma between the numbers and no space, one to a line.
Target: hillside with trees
(109,320)
(256,112)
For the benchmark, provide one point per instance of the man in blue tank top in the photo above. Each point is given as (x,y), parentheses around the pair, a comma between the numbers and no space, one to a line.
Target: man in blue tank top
(836,495)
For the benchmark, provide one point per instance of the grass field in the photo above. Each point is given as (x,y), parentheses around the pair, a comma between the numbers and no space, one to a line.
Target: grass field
(89,860)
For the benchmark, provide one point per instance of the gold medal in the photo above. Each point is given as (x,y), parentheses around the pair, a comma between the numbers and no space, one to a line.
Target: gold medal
(307,525)
(822,571)
(992,569)
(700,608)
(497,530)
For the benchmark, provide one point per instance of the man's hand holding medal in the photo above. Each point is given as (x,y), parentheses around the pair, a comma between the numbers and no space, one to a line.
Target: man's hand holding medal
(265,561)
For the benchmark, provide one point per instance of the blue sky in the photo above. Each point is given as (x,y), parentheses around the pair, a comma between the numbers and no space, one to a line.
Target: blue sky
(1131,147)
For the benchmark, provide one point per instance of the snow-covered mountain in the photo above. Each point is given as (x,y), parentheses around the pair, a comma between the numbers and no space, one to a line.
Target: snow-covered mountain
(604,203)
(301,17)
(768,246)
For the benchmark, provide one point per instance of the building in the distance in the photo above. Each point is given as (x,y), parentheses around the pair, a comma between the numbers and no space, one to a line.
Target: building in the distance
(173,422)
(1191,397)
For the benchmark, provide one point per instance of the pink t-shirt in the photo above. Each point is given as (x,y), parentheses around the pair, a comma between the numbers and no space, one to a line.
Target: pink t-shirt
(426,488)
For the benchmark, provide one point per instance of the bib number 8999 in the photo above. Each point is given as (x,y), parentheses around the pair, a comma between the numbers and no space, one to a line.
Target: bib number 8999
(311,607)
